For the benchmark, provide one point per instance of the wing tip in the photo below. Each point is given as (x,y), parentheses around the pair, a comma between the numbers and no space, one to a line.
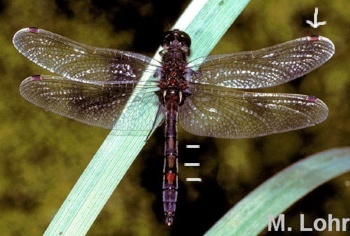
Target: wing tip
(22,33)
(315,100)
(318,38)
(32,78)
(322,107)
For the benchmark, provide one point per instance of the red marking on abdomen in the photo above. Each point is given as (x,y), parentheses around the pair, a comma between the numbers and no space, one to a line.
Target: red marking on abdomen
(170,177)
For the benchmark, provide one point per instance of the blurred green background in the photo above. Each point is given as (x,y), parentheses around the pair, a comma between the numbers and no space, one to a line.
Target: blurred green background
(43,154)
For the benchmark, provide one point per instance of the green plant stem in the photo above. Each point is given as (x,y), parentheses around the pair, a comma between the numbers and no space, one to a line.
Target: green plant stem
(250,216)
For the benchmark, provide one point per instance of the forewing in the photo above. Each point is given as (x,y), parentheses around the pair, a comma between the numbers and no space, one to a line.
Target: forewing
(90,103)
(77,61)
(230,113)
(265,67)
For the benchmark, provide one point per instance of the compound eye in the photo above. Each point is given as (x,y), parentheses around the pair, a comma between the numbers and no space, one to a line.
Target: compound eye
(168,37)
(184,38)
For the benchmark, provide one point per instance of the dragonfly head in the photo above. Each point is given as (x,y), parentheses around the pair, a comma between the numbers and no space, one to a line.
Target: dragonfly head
(176,39)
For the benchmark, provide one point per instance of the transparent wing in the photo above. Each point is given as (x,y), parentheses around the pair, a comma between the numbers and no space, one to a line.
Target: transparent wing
(77,61)
(229,113)
(265,67)
(90,103)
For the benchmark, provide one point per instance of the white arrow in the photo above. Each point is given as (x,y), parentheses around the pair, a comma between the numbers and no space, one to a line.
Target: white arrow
(315,24)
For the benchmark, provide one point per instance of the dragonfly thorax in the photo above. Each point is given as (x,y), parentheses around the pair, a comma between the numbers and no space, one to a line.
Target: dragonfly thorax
(173,71)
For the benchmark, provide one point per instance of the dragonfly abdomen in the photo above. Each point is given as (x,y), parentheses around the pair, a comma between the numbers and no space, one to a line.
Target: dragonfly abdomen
(170,170)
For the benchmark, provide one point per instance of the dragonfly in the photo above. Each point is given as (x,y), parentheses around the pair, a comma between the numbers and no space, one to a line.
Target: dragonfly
(213,98)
